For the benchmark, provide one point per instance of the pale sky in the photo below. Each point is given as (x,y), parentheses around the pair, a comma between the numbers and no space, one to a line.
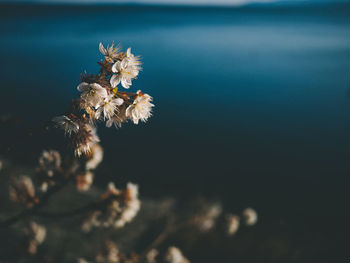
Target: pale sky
(188,2)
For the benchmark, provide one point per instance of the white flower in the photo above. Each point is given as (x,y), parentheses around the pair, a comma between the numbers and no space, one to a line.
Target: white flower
(84,181)
(174,255)
(141,108)
(116,120)
(86,138)
(36,235)
(207,220)
(132,206)
(96,157)
(133,61)
(50,161)
(22,191)
(109,107)
(250,216)
(68,125)
(92,94)
(125,70)
(110,53)
(232,224)
(110,254)
(152,255)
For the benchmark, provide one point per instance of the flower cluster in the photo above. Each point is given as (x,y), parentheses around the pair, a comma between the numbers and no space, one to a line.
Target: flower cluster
(174,255)
(250,218)
(101,100)
(206,219)
(36,235)
(49,167)
(117,208)
(110,254)
(22,191)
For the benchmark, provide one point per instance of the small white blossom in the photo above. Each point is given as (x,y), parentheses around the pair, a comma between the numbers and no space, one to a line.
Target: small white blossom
(68,125)
(110,254)
(121,208)
(141,108)
(116,120)
(132,206)
(174,255)
(110,53)
(84,181)
(133,61)
(126,70)
(22,191)
(109,108)
(49,162)
(36,235)
(232,224)
(92,94)
(250,216)
(88,139)
(206,221)
(95,158)
(152,255)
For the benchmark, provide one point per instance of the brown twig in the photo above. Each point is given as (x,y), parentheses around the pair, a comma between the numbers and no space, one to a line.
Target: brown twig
(42,202)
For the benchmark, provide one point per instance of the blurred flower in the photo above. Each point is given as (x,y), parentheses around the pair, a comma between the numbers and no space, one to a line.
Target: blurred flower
(22,191)
(49,165)
(232,224)
(110,53)
(36,235)
(119,208)
(152,255)
(174,255)
(206,220)
(1,165)
(131,206)
(116,120)
(68,125)
(250,216)
(141,108)
(84,181)
(92,95)
(95,157)
(50,162)
(110,254)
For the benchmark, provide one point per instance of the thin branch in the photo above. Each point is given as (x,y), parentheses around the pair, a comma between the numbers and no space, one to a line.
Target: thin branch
(163,235)
(43,201)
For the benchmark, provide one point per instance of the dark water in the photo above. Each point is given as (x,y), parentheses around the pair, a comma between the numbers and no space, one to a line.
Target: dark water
(252,104)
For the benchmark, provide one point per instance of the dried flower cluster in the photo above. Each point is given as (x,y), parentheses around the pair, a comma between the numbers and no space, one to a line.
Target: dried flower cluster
(250,218)
(118,207)
(22,191)
(36,235)
(101,100)
(174,255)
(49,168)
(110,254)
(206,219)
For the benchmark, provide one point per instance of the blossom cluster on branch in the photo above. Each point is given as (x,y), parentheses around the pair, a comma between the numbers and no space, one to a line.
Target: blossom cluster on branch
(101,100)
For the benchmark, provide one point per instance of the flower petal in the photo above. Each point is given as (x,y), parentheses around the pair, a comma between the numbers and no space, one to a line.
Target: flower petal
(115,80)
(83,86)
(102,49)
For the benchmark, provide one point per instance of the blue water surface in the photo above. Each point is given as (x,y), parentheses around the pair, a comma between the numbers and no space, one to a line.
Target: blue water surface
(244,96)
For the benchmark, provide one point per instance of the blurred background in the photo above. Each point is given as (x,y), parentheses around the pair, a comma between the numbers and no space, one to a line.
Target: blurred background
(252,107)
